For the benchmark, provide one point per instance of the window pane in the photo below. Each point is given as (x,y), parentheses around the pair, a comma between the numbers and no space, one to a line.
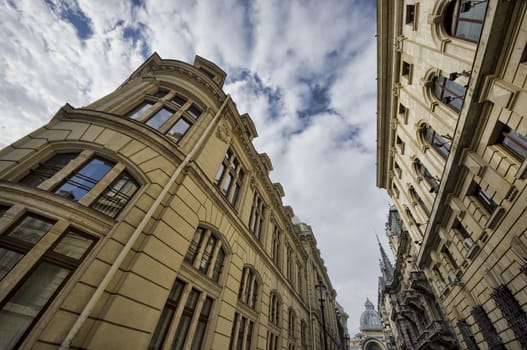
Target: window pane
(207,254)
(194,246)
(48,169)
(30,229)
(161,329)
(139,111)
(8,259)
(182,330)
(227,183)
(194,111)
(24,306)
(218,267)
(116,196)
(161,93)
(179,129)
(180,101)
(219,174)
(73,245)
(84,180)
(159,118)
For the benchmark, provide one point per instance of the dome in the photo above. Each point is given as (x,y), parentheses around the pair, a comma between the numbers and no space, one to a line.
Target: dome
(369,320)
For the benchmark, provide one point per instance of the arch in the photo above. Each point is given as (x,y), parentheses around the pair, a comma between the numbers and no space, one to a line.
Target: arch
(423,173)
(250,287)
(428,137)
(463,19)
(448,92)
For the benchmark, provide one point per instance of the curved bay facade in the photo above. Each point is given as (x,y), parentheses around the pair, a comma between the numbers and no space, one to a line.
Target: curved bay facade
(147,220)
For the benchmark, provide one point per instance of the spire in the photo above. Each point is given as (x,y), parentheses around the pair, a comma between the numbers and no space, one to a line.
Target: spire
(386,265)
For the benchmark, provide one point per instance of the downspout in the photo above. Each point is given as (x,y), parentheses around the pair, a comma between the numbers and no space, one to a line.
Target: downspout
(135,235)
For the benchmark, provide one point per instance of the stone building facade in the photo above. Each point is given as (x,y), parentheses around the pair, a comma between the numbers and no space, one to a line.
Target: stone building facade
(452,151)
(147,220)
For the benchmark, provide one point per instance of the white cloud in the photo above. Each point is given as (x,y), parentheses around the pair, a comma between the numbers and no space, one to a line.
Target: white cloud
(325,161)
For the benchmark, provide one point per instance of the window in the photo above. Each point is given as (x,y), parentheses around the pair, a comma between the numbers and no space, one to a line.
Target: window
(299,277)
(429,178)
(449,92)
(29,299)
(464,19)
(272,341)
(291,323)
(468,337)
(439,143)
(115,197)
(248,292)
(230,176)
(84,179)
(203,256)
(49,168)
(256,222)
(400,144)
(173,117)
(303,333)
(415,197)
(514,142)
(484,199)
(140,110)
(406,71)
(275,252)
(512,312)
(193,319)
(77,183)
(289,262)
(410,14)
(242,333)
(274,309)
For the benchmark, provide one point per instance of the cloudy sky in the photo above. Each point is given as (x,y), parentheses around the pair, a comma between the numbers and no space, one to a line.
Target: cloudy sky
(303,69)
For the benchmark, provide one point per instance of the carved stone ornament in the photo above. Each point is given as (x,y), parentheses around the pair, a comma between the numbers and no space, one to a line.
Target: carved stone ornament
(223,133)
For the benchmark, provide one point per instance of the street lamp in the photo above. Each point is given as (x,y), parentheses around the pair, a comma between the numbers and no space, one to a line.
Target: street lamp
(322,297)
(346,341)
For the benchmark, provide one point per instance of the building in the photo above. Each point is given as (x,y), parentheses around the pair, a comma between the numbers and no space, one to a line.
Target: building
(147,220)
(371,335)
(451,154)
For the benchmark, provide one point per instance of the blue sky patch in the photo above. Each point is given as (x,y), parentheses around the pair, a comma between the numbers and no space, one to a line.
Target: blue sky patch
(318,100)
(73,14)
(136,36)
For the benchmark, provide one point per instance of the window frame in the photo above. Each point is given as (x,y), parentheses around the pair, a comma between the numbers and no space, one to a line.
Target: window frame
(230,168)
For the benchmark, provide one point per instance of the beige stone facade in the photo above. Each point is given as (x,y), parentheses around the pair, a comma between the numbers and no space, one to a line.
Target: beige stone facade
(452,149)
(147,220)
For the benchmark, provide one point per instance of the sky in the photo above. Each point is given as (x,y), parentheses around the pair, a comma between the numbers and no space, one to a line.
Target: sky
(304,70)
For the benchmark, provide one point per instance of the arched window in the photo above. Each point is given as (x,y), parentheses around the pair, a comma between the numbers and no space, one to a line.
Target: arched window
(75,181)
(291,323)
(419,200)
(449,92)
(249,285)
(203,255)
(464,19)
(274,309)
(428,177)
(438,142)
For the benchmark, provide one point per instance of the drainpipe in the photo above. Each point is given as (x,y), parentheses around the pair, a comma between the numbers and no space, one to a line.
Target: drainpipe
(135,235)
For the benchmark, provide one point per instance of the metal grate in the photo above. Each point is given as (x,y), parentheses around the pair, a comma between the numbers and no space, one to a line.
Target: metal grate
(512,311)
(468,337)
(487,329)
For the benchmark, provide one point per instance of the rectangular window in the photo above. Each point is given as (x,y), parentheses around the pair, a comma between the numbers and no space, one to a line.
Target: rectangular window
(410,14)
(201,327)
(514,142)
(160,118)
(229,177)
(194,111)
(19,240)
(256,222)
(179,129)
(140,110)
(405,71)
(32,295)
(276,245)
(84,179)
(289,262)
(186,318)
(179,101)
(167,315)
(484,199)
(116,196)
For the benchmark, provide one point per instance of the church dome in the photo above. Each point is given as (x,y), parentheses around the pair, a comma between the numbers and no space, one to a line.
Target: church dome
(369,320)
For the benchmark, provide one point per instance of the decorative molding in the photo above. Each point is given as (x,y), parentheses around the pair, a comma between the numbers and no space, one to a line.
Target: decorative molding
(223,133)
